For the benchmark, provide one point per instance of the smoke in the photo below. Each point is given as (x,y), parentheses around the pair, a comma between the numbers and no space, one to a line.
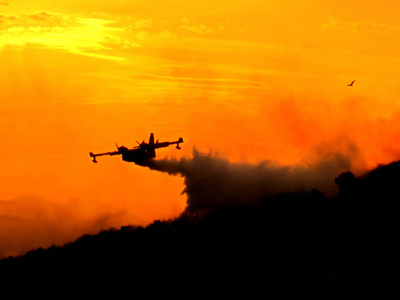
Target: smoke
(30,222)
(212,182)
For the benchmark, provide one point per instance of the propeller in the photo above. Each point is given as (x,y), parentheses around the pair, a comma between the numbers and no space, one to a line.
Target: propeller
(140,144)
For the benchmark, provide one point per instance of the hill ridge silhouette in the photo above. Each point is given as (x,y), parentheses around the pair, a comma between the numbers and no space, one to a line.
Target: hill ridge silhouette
(289,237)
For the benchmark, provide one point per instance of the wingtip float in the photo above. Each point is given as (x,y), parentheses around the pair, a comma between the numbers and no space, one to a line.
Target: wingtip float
(138,154)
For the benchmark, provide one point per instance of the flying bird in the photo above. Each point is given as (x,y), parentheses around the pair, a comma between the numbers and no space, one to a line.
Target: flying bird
(351,84)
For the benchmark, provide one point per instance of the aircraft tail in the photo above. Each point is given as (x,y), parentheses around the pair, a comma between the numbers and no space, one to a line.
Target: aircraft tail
(151,152)
(151,139)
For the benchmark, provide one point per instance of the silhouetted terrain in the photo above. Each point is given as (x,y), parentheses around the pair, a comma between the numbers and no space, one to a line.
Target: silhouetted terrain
(287,238)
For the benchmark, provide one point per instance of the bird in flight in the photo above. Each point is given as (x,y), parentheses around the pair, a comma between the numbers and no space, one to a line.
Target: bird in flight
(351,84)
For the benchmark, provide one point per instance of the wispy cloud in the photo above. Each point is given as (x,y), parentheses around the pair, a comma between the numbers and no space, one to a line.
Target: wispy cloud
(359,26)
(85,36)
(195,28)
(232,81)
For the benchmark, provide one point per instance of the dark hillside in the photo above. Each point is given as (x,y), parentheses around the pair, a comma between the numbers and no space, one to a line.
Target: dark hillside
(288,238)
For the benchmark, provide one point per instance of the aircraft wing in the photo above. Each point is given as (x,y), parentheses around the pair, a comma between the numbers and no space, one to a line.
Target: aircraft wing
(101,154)
(162,144)
(143,147)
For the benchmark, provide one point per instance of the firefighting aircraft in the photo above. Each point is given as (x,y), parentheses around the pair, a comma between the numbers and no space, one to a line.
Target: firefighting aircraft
(138,154)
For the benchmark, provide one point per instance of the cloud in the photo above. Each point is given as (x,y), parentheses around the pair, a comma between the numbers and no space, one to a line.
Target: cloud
(231,82)
(85,36)
(200,29)
(212,182)
(42,19)
(359,26)
(140,24)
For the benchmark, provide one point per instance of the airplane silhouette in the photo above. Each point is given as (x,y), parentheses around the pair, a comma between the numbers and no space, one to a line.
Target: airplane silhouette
(351,84)
(138,154)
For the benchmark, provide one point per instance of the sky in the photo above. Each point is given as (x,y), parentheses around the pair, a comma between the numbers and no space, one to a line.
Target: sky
(248,81)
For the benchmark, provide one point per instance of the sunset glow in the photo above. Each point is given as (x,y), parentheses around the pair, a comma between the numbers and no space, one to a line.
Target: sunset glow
(250,80)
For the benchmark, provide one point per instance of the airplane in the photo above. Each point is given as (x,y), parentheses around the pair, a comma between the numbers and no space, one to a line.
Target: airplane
(138,154)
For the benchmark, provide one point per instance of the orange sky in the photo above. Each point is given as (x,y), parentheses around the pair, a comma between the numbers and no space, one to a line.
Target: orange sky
(252,80)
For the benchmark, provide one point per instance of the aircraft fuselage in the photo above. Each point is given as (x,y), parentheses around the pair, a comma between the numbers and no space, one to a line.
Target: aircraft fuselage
(137,156)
